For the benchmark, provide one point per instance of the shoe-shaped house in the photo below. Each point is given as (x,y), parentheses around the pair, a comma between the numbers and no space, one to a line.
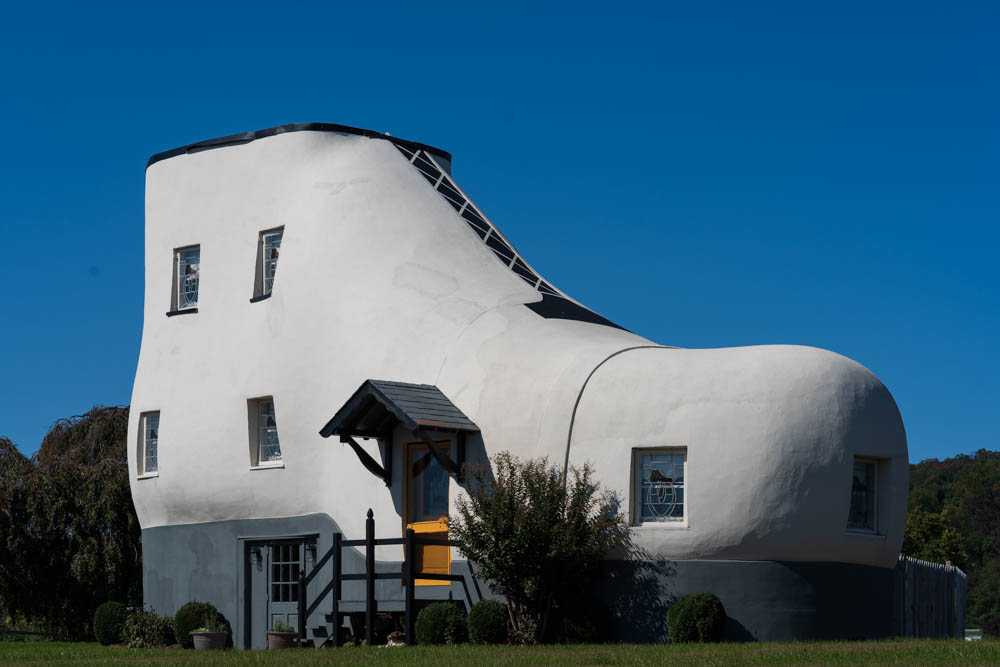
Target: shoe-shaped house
(331,324)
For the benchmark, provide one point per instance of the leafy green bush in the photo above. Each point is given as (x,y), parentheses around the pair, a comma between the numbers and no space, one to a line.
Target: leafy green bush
(191,616)
(108,620)
(699,617)
(441,623)
(584,619)
(991,627)
(488,622)
(144,628)
(537,533)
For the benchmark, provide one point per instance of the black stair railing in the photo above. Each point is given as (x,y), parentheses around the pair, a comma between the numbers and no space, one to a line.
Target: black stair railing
(406,578)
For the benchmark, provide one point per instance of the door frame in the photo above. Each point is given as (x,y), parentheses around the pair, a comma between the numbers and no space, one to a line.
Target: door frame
(445,444)
(248,543)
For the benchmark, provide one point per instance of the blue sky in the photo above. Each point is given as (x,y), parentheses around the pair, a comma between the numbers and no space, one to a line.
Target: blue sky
(706,174)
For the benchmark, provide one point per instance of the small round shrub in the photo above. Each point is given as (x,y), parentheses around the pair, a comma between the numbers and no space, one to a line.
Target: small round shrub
(441,623)
(585,620)
(108,620)
(699,617)
(143,628)
(991,627)
(488,622)
(191,616)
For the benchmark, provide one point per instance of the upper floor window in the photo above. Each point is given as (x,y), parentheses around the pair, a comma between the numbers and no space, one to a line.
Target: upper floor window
(659,485)
(265,448)
(863,515)
(268,249)
(187,271)
(149,423)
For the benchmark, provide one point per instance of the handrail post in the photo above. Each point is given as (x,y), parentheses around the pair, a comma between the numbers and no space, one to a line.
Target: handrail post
(410,560)
(370,579)
(302,607)
(337,570)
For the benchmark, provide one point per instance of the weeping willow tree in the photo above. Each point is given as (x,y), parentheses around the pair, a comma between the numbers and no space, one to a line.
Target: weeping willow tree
(69,536)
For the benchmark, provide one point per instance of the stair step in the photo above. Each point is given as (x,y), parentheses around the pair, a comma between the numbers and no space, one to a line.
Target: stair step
(357,606)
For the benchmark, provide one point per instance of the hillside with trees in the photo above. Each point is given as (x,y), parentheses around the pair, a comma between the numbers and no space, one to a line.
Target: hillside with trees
(954,514)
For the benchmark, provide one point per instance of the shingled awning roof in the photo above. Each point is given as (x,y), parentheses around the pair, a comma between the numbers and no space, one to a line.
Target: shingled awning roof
(379,405)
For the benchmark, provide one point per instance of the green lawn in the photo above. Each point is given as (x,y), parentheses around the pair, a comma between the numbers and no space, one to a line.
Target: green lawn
(898,652)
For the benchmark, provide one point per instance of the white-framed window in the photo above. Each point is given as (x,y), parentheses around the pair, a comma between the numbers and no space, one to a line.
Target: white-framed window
(187,271)
(863,515)
(265,448)
(149,423)
(659,485)
(268,250)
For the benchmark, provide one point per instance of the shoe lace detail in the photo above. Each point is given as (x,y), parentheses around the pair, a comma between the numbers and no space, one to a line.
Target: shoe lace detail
(475,218)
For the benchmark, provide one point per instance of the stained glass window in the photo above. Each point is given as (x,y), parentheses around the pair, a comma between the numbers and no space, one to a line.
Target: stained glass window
(267,431)
(188,275)
(150,435)
(659,485)
(864,488)
(270,247)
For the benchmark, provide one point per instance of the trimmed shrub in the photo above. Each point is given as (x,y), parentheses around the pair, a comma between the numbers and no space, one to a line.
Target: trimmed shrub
(441,623)
(584,620)
(144,628)
(191,616)
(108,621)
(699,617)
(488,622)
(991,627)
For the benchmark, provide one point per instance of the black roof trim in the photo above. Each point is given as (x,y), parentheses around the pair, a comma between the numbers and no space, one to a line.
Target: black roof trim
(559,308)
(247,137)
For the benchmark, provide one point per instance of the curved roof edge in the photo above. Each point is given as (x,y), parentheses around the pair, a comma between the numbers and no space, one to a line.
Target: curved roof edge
(247,137)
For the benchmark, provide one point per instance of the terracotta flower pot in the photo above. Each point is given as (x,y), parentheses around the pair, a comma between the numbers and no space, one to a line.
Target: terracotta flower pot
(204,641)
(282,639)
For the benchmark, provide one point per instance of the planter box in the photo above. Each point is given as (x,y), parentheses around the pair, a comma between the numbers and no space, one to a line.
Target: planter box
(208,640)
(282,639)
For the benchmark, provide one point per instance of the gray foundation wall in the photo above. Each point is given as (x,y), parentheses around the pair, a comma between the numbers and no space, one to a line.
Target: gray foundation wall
(765,600)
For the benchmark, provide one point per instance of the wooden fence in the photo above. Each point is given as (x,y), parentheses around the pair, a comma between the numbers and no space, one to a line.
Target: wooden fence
(928,599)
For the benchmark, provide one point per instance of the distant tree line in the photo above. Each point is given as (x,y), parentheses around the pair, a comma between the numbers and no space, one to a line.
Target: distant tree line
(69,535)
(954,514)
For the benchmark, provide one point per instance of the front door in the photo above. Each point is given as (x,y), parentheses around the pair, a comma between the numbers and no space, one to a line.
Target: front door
(427,513)
(272,594)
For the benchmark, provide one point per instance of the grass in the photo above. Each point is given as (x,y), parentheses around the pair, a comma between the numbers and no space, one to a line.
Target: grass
(890,652)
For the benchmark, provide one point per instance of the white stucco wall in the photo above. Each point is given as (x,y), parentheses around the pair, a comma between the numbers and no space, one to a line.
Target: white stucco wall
(379,278)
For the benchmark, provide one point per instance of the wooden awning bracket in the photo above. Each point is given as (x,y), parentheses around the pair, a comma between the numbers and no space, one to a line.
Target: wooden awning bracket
(385,474)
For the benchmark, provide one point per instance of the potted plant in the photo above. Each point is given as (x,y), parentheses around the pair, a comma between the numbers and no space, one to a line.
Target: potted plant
(210,636)
(282,635)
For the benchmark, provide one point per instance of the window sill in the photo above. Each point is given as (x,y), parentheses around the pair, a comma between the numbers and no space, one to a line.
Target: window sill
(148,475)
(260,298)
(662,525)
(185,311)
(268,466)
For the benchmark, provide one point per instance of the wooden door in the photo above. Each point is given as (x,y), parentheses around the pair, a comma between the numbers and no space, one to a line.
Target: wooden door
(427,511)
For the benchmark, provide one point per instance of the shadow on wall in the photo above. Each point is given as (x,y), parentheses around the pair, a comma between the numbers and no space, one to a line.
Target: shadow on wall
(635,590)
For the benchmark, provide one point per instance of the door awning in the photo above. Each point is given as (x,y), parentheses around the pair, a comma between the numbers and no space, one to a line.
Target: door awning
(379,406)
